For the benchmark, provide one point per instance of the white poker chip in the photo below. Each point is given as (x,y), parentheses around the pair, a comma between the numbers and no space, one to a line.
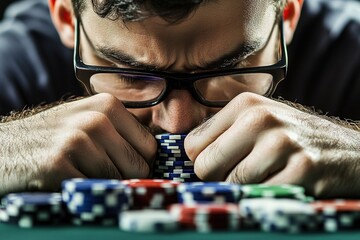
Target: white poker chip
(147,220)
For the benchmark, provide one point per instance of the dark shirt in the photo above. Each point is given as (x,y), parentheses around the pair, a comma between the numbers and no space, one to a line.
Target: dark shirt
(324,59)
(35,67)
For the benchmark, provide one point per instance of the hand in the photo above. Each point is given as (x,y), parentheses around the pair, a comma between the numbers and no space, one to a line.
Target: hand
(258,140)
(94,137)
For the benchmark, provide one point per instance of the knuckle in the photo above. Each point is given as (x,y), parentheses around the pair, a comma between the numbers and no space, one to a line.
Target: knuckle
(108,103)
(280,141)
(246,99)
(94,123)
(259,117)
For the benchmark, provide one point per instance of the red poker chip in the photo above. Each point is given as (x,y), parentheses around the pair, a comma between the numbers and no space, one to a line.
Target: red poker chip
(152,193)
(151,183)
(207,216)
(337,205)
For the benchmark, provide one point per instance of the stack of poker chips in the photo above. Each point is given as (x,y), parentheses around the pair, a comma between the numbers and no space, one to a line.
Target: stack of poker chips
(171,162)
(152,193)
(208,206)
(337,215)
(209,193)
(279,215)
(32,209)
(207,217)
(95,201)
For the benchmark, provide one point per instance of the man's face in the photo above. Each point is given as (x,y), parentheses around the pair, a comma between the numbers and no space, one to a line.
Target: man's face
(215,31)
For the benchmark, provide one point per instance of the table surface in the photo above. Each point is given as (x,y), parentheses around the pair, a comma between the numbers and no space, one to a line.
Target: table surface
(12,232)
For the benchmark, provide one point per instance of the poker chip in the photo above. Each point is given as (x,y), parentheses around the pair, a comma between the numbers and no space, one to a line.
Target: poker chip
(148,220)
(152,193)
(175,163)
(278,215)
(209,192)
(207,217)
(168,136)
(338,214)
(273,191)
(31,209)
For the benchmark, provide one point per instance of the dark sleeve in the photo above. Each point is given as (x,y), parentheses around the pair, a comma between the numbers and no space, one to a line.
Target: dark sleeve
(324,59)
(34,65)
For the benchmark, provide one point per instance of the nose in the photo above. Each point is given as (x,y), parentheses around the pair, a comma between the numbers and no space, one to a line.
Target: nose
(178,113)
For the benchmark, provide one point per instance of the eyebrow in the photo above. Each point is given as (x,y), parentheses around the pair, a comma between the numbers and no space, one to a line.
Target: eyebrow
(237,55)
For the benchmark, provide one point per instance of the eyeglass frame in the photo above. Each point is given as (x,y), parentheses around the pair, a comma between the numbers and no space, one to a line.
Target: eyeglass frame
(179,81)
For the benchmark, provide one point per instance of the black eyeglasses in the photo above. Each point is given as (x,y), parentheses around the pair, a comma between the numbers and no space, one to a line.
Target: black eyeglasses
(139,88)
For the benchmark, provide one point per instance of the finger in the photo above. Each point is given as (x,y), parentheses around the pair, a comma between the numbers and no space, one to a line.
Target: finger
(269,156)
(89,156)
(201,137)
(223,154)
(130,129)
(125,124)
(128,162)
(295,172)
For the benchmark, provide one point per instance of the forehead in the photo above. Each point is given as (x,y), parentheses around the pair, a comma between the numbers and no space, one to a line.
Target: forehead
(212,28)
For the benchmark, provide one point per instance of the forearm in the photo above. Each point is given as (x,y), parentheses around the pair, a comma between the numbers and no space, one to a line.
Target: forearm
(15,157)
(336,145)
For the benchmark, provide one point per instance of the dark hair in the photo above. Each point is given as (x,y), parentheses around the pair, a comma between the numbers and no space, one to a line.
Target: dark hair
(171,11)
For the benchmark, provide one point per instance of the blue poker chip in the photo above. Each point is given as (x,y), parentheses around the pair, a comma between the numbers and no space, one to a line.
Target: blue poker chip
(183,180)
(178,143)
(95,186)
(170,141)
(174,171)
(170,136)
(171,168)
(179,175)
(171,147)
(211,192)
(171,151)
(184,158)
(29,209)
(174,163)
(33,199)
(166,155)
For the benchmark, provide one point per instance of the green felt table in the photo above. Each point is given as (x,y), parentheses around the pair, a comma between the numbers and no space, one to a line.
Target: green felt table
(10,232)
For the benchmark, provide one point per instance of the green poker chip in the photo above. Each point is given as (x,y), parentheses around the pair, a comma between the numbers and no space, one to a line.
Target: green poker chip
(273,191)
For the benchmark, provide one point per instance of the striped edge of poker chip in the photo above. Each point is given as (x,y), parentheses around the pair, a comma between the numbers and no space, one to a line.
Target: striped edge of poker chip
(95,186)
(207,217)
(29,209)
(174,163)
(152,193)
(171,151)
(151,183)
(170,136)
(272,191)
(279,215)
(147,220)
(17,204)
(338,214)
(209,192)
(175,155)
(166,171)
